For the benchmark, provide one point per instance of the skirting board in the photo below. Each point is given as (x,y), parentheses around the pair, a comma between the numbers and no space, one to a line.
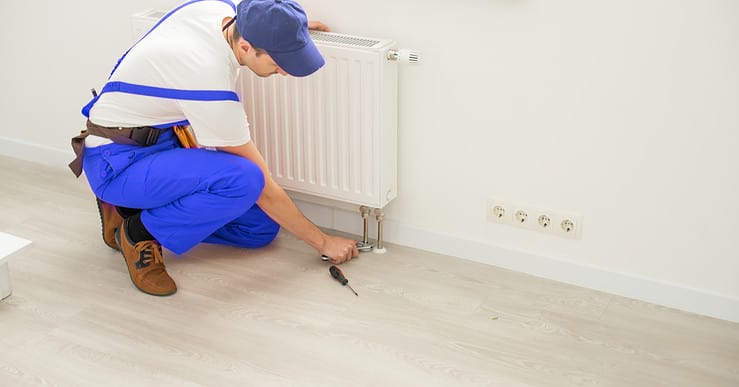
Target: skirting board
(41,154)
(343,218)
(621,284)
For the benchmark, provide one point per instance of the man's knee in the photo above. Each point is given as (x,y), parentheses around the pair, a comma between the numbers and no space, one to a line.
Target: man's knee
(243,179)
(267,235)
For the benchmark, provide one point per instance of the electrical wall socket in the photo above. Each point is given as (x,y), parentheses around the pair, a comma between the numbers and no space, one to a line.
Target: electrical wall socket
(553,222)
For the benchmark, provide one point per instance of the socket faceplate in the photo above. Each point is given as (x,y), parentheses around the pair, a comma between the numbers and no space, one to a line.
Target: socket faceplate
(563,224)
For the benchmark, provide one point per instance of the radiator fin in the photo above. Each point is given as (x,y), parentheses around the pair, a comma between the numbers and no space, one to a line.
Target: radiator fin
(347,40)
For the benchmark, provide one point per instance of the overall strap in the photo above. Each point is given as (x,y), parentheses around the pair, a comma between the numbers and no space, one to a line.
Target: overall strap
(161,92)
(151,91)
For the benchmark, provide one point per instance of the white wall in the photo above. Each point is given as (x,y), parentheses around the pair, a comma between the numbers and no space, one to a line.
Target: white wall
(53,52)
(625,112)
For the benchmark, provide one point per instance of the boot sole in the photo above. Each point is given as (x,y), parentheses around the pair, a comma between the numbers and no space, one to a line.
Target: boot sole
(102,226)
(118,240)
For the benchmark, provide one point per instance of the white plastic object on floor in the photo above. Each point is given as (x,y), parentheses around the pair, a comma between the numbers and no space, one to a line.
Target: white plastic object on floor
(9,244)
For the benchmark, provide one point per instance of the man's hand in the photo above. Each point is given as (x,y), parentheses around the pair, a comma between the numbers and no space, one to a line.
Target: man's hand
(318,26)
(338,249)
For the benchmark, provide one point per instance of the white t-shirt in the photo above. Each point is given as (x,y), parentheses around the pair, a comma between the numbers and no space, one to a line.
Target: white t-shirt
(187,51)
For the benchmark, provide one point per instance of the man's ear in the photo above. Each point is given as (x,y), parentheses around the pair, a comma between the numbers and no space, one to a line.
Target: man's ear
(244,45)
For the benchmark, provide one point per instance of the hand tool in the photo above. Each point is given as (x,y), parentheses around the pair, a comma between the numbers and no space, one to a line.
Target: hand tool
(361,248)
(336,273)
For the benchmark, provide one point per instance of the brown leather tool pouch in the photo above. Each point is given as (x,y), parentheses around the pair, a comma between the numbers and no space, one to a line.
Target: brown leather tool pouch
(141,136)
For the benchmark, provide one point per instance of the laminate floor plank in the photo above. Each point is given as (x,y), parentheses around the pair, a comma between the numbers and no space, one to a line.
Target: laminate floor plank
(274,316)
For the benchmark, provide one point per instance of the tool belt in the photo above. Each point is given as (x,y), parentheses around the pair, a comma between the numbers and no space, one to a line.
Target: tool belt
(141,136)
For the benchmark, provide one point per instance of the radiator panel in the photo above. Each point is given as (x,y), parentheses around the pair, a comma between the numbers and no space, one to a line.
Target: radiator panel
(332,134)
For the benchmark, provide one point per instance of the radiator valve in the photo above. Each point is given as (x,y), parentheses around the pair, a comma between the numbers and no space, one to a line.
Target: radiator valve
(404,55)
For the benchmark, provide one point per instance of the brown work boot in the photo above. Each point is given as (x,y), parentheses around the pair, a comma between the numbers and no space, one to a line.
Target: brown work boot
(145,264)
(110,220)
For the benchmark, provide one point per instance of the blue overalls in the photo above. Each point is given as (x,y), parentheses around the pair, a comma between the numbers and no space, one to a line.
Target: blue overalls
(187,196)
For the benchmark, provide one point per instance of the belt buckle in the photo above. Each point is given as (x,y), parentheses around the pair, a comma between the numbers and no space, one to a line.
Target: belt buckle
(144,135)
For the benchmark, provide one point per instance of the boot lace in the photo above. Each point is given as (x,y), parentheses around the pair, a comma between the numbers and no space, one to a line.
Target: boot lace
(149,251)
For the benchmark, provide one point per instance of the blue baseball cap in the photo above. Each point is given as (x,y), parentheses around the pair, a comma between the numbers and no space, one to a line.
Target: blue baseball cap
(280,27)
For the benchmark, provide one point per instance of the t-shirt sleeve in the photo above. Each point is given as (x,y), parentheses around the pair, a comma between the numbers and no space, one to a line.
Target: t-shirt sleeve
(217,123)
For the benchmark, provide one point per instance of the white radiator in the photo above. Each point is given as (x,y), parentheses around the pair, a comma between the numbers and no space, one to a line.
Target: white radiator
(333,134)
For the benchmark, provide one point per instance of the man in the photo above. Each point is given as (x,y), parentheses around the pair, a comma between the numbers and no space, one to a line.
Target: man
(154,192)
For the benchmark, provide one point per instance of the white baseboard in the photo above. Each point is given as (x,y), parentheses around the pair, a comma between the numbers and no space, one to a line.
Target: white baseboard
(41,154)
(621,284)
(342,218)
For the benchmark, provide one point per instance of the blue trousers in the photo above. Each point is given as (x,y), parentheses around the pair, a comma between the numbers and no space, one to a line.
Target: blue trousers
(187,196)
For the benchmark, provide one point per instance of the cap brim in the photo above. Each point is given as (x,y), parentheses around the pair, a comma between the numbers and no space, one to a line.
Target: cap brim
(302,62)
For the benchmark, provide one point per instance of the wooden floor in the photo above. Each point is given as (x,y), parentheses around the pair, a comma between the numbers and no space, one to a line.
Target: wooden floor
(275,317)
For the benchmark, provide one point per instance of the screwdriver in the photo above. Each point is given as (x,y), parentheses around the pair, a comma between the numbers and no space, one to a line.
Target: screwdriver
(336,273)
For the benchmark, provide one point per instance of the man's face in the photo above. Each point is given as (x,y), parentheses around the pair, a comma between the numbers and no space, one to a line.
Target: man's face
(258,62)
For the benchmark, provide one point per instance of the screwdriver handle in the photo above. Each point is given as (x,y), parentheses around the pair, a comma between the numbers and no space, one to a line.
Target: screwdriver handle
(336,273)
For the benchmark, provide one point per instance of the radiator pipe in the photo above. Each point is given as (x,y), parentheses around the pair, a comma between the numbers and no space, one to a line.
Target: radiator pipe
(380,249)
(365,244)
